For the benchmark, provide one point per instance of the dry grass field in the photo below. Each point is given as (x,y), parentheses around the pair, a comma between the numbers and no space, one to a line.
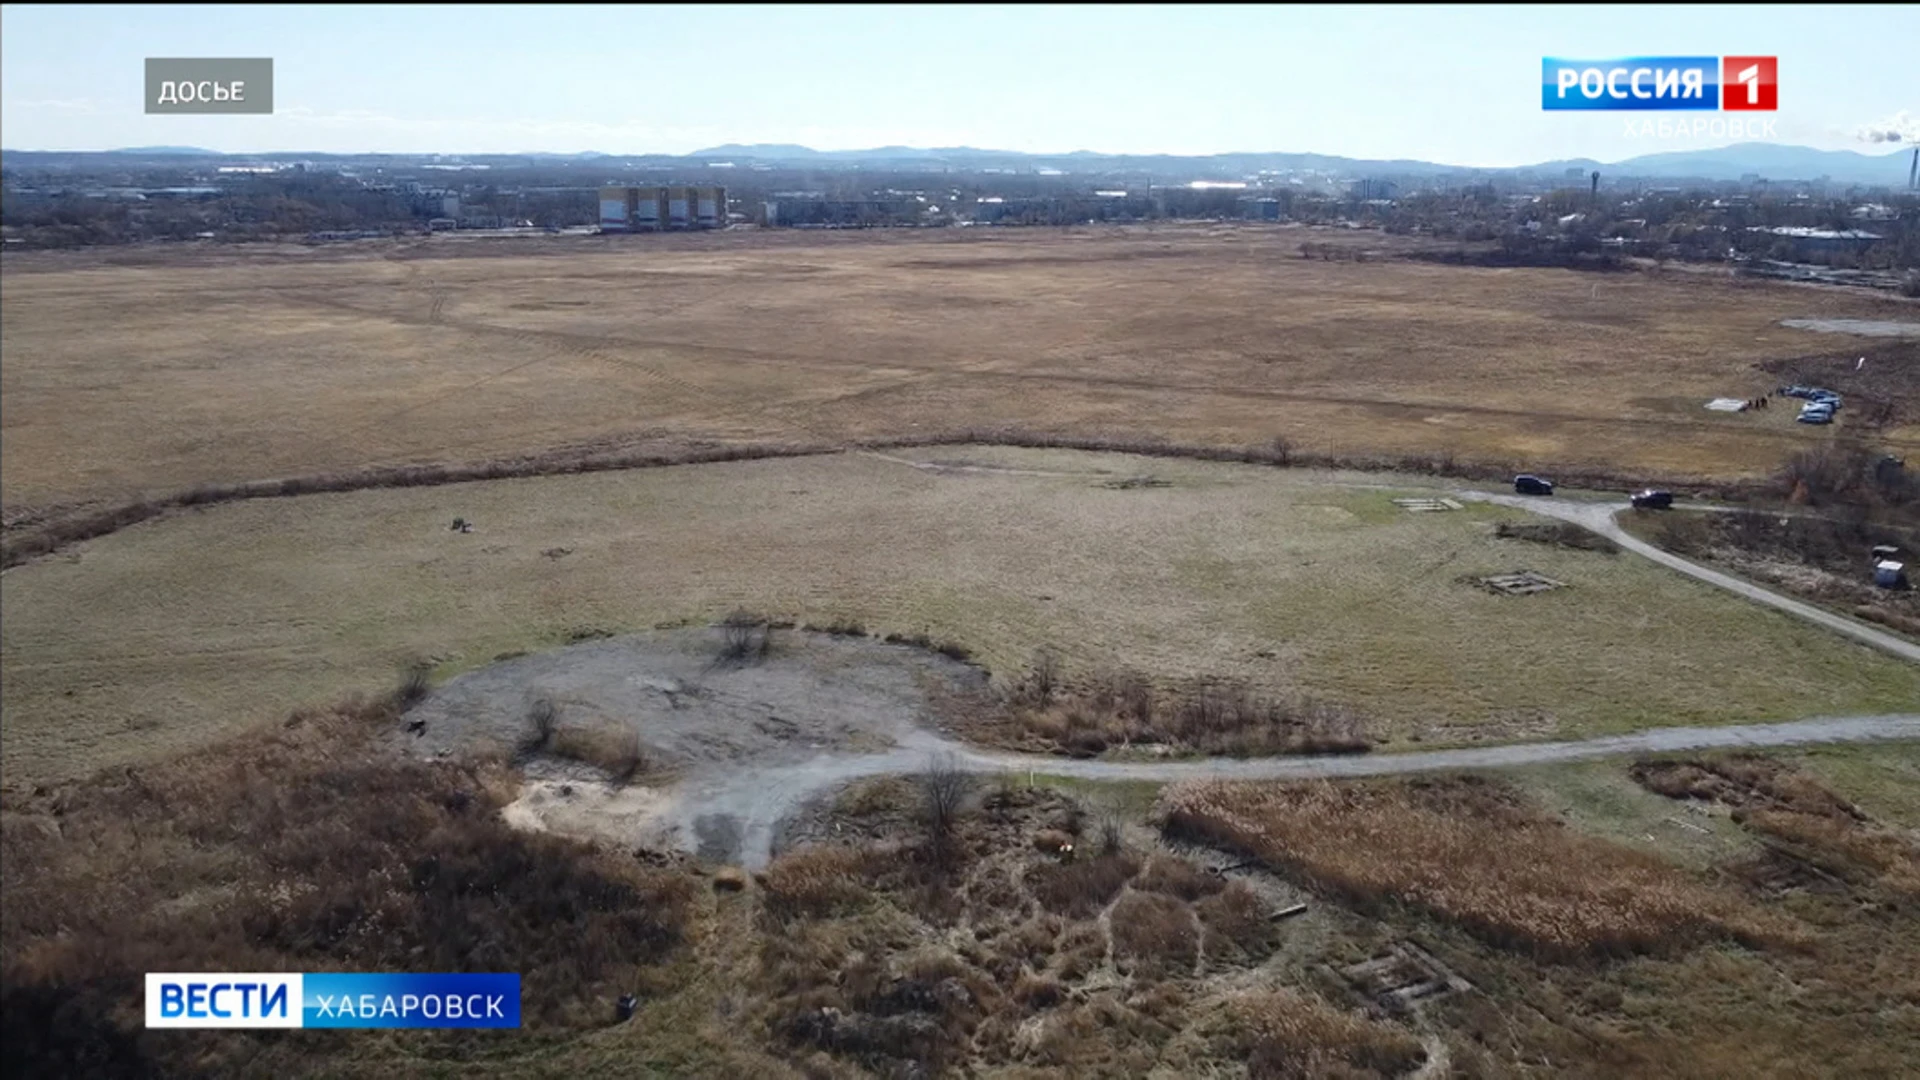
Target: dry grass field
(868,946)
(175,632)
(1712,915)
(131,373)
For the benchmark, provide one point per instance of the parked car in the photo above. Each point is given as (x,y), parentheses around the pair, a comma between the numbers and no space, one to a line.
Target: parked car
(1652,499)
(1825,397)
(1527,484)
(1815,416)
(1796,391)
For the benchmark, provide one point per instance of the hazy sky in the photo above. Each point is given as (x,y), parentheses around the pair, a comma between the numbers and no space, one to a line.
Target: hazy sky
(1453,85)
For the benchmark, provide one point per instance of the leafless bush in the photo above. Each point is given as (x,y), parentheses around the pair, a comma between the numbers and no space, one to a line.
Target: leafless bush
(1829,473)
(543,718)
(1041,680)
(745,638)
(943,794)
(1218,716)
(415,682)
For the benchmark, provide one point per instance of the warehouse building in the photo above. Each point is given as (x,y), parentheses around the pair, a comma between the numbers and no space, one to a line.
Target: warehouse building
(651,209)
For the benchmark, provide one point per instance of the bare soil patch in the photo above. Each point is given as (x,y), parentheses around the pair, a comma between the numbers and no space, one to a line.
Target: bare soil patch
(810,709)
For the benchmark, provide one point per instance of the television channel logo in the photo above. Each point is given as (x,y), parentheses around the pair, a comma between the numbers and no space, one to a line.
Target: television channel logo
(332,1000)
(1663,83)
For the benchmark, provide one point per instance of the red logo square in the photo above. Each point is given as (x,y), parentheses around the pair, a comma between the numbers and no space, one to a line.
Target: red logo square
(1750,83)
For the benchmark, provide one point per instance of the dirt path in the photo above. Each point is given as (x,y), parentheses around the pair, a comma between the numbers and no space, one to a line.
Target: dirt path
(733,750)
(761,797)
(1600,518)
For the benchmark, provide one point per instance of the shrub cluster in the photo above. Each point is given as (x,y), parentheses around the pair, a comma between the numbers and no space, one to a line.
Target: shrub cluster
(310,847)
(1516,878)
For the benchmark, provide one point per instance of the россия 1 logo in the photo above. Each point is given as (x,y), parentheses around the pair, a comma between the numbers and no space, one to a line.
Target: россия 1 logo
(1691,83)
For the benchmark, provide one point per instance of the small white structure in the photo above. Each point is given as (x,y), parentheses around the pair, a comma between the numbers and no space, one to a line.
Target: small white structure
(1889,574)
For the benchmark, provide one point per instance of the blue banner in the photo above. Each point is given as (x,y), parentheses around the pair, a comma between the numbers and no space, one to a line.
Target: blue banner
(334,1000)
(1686,83)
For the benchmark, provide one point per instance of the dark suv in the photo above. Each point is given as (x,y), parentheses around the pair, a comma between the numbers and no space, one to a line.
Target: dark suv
(1527,484)
(1651,499)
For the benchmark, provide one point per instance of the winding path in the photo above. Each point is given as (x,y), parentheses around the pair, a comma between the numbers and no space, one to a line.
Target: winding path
(750,802)
(1600,518)
(746,806)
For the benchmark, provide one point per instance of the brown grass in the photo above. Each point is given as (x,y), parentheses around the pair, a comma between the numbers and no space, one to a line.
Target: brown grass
(1284,1034)
(1179,878)
(259,365)
(817,881)
(1470,855)
(304,848)
(1114,710)
(1236,926)
(1154,935)
(1795,813)
(619,754)
(1558,533)
(1080,889)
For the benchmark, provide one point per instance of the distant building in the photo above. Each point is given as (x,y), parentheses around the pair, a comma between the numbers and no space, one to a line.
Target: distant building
(651,209)
(1806,241)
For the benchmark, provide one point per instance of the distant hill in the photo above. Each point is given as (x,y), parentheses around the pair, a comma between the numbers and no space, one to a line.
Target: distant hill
(1771,161)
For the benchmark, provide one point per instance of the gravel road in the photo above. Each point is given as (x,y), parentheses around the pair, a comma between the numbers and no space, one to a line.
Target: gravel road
(758,798)
(1600,518)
